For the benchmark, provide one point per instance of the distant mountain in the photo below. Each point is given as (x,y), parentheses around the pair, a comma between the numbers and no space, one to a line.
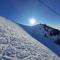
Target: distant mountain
(47,35)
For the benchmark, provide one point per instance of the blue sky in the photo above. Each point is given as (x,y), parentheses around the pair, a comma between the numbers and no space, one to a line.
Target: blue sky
(21,10)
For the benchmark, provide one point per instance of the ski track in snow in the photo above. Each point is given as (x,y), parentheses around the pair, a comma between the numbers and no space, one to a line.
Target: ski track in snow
(16,44)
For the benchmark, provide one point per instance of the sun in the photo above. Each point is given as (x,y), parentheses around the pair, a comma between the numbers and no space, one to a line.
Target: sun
(32,21)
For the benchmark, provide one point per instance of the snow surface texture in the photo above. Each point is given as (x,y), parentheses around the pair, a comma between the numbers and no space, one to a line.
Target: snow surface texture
(16,44)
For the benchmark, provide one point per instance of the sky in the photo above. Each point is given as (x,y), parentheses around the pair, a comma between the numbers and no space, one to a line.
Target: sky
(21,11)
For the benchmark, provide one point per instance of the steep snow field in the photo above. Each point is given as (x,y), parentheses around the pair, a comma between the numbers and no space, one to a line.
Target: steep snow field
(16,44)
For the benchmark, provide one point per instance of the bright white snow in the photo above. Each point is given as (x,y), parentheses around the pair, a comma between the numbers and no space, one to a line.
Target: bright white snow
(16,44)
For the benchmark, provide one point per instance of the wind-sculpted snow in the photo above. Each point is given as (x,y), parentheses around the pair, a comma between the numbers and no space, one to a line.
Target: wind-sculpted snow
(16,44)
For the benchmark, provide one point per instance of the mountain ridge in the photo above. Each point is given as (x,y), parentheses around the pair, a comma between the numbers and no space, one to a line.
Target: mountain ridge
(48,36)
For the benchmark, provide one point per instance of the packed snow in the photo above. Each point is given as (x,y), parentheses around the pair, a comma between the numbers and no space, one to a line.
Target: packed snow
(17,44)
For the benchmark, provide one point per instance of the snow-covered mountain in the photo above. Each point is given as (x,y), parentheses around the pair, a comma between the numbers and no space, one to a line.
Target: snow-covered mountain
(17,44)
(48,36)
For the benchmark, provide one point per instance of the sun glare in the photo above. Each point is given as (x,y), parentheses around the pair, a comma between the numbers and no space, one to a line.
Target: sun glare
(32,21)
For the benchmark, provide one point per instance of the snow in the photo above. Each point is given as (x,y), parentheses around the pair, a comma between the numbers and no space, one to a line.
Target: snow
(17,44)
(42,35)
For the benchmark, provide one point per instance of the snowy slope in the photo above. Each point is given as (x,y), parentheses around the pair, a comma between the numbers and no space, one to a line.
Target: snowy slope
(48,36)
(16,44)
